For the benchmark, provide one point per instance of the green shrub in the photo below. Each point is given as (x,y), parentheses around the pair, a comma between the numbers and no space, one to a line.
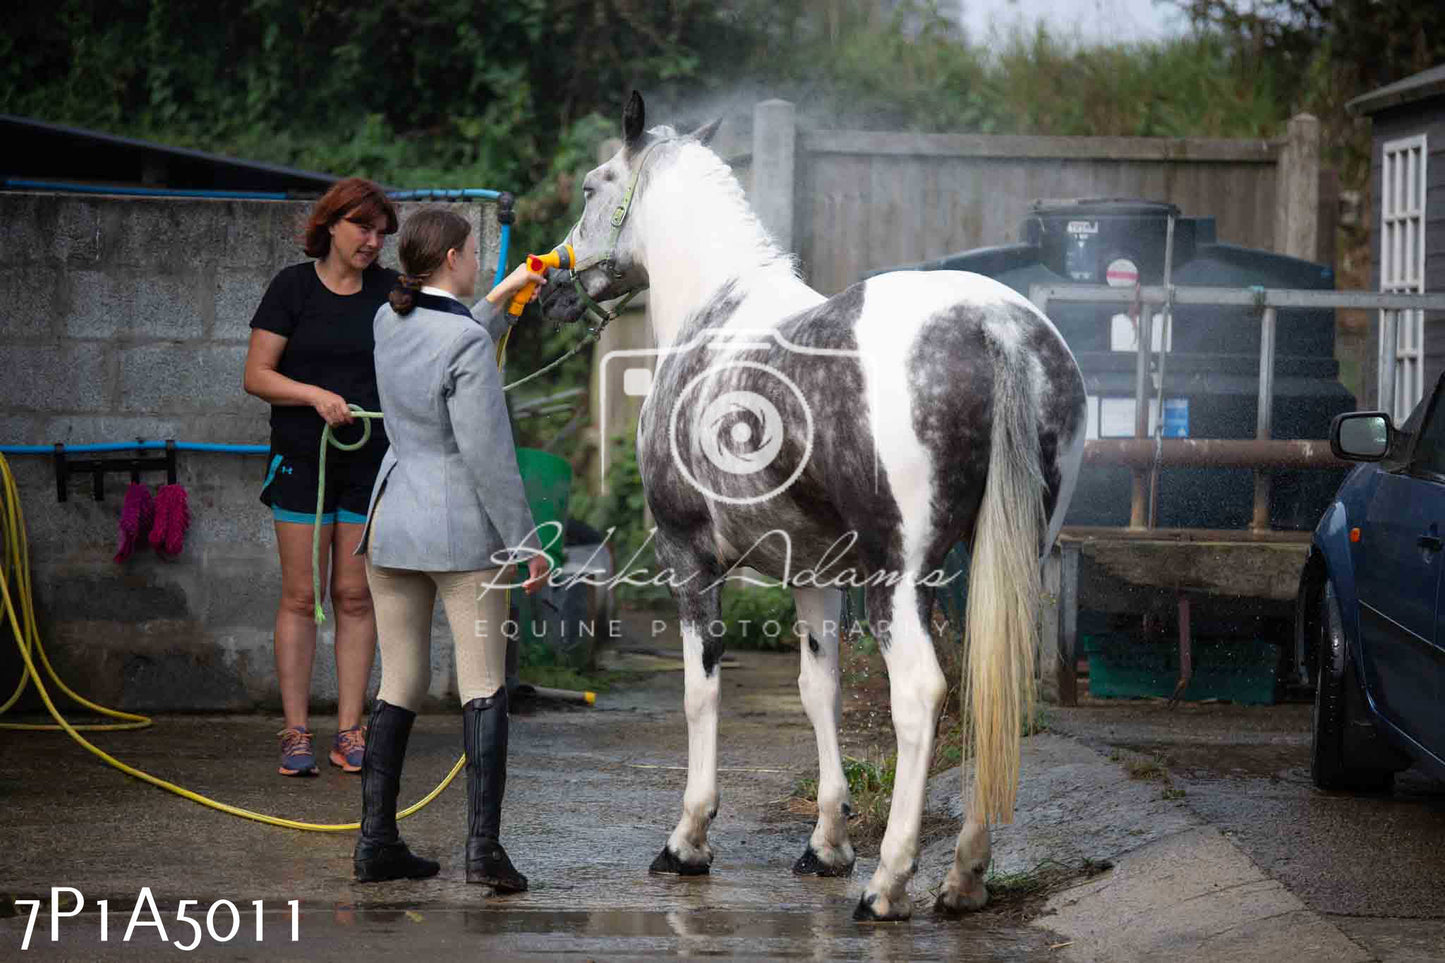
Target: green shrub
(758,617)
(870,787)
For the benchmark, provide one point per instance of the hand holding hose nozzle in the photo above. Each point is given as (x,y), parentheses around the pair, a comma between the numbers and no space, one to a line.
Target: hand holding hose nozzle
(560,257)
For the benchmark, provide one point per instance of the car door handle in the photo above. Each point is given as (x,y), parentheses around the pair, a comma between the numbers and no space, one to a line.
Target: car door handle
(1430,543)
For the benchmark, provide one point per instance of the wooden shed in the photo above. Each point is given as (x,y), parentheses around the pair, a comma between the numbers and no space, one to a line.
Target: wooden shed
(1407,220)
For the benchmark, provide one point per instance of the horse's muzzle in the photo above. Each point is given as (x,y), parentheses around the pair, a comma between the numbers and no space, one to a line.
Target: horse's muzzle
(559,301)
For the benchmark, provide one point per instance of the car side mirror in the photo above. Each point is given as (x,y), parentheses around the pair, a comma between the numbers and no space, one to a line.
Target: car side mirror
(1361,435)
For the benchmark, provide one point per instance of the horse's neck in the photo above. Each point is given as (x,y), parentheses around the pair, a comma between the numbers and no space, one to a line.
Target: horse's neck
(764,297)
(693,251)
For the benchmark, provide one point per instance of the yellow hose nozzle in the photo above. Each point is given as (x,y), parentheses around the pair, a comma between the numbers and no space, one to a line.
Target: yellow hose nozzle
(564,695)
(560,257)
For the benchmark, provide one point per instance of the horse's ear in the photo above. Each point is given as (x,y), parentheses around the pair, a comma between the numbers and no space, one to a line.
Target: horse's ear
(705,133)
(633,119)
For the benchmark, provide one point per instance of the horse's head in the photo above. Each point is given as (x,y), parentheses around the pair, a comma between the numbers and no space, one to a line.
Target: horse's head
(606,239)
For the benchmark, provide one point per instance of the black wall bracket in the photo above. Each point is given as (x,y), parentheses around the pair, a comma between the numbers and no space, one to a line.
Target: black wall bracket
(98,468)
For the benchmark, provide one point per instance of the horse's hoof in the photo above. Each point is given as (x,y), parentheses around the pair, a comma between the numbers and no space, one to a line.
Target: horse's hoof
(671,865)
(957,902)
(809,864)
(872,908)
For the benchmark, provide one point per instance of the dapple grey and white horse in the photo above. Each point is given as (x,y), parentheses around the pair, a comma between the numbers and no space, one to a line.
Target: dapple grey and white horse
(831,442)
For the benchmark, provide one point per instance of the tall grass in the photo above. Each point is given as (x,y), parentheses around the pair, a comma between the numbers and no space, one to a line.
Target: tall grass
(1036,81)
(1189,87)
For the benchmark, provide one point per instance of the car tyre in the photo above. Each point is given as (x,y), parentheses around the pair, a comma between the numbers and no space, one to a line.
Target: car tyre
(1332,766)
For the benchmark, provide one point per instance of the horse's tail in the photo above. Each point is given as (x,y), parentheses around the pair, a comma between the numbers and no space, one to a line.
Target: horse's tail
(1003,596)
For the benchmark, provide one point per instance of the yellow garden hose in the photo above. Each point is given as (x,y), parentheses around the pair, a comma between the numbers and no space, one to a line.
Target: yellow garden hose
(19,610)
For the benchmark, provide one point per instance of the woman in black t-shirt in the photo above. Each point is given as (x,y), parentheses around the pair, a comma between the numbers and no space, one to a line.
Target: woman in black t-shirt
(311,357)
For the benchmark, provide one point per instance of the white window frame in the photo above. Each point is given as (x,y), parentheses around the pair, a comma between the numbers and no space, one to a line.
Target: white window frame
(1402,265)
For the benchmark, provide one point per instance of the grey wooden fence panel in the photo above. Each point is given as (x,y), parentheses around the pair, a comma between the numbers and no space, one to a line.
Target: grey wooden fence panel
(865,212)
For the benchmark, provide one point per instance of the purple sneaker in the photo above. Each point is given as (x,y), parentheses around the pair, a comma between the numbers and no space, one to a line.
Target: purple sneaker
(297,758)
(349,748)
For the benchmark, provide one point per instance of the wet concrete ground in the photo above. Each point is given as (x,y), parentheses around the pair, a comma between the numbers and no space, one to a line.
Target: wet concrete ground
(591,796)
(1370,865)
(593,793)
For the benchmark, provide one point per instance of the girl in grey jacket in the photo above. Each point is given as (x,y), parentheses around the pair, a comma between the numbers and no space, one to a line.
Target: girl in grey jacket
(448,516)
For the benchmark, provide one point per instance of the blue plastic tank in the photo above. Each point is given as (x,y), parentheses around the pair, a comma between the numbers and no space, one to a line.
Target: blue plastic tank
(1211,373)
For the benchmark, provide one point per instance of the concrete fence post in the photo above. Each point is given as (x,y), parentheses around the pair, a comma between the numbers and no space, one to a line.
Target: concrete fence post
(1296,231)
(775,135)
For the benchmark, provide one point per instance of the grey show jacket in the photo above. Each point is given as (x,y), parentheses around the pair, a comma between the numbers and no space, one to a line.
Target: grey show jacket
(453,492)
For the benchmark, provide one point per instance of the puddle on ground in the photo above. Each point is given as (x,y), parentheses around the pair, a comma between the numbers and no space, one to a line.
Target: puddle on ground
(346,932)
(829,935)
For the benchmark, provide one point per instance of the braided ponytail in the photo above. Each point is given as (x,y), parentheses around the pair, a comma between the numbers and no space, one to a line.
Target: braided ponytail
(403,296)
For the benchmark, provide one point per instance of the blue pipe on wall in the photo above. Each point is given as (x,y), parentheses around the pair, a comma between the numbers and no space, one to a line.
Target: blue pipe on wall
(16,182)
(135,446)
(420,194)
(458,194)
(444,194)
(505,243)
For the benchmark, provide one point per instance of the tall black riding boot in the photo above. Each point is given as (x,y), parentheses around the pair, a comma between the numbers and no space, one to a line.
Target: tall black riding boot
(380,854)
(484,723)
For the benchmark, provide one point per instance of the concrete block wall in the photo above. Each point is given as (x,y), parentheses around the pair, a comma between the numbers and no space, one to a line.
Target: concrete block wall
(125,317)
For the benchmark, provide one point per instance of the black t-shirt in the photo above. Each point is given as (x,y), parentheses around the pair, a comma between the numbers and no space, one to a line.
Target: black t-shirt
(329,344)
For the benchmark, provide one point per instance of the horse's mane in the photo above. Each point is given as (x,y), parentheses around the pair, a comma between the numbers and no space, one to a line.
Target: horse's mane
(706,188)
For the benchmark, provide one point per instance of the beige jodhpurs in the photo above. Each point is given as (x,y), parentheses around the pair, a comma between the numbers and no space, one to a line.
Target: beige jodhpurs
(403,600)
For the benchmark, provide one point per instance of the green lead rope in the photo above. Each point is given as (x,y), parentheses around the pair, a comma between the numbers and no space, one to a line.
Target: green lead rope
(592,335)
(329,440)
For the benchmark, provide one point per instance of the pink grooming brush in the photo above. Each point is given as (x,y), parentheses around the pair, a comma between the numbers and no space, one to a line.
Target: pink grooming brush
(136,516)
(173,517)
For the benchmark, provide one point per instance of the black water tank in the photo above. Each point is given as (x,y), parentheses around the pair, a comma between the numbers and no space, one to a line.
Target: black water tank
(1212,370)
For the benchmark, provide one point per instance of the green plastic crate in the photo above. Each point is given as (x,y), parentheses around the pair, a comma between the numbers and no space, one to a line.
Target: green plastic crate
(1122,667)
(547,483)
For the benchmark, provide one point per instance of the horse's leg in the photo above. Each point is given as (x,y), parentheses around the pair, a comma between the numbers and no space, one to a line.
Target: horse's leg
(963,887)
(917,688)
(819,610)
(687,852)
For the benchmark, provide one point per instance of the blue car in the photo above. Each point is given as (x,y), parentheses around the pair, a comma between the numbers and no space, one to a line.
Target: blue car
(1370,619)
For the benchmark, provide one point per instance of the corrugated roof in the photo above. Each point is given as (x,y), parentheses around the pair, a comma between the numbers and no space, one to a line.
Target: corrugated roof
(42,150)
(1427,83)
